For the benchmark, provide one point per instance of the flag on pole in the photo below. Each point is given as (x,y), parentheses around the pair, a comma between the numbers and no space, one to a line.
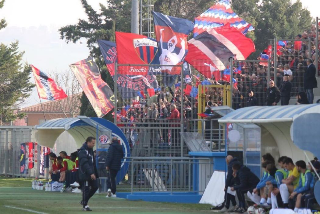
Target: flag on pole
(97,91)
(128,85)
(219,15)
(46,86)
(109,53)
(210,51)
(171,34)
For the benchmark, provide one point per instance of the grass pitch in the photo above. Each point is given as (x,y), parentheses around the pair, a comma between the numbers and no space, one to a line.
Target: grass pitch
(17,197)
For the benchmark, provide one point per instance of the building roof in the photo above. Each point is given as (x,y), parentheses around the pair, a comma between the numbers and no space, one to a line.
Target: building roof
(267,114)
(70,105)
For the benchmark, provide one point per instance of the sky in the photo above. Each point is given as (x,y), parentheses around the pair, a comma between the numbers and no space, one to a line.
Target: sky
(35,24)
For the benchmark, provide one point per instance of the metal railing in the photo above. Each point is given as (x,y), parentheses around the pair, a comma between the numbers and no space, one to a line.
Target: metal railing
(167,174)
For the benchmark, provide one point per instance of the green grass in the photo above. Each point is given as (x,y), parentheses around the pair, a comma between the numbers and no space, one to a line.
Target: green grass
(17,193)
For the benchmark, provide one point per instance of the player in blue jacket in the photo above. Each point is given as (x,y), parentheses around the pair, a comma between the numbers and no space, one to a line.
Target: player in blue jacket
(306,178)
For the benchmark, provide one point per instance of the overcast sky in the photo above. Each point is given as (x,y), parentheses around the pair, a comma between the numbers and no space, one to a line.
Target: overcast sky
(35,24)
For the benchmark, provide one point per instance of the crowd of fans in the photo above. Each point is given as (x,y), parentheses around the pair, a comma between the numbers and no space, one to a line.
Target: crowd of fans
(291,185)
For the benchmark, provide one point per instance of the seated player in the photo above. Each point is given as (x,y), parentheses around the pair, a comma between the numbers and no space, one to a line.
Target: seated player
(274,189)
(55,170)
(306,178)
(261,187)
(247,182)
(291,183)
(309,199)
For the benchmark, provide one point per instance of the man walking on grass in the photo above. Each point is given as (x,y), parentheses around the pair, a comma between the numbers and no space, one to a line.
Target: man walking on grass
(113,163)
(88,173)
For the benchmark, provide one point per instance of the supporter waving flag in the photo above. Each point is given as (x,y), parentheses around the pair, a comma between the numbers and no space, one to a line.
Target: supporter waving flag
(171,34)
(46,86)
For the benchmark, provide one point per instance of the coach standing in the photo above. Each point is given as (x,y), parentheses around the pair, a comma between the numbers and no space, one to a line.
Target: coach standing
(87,172)
(113,163)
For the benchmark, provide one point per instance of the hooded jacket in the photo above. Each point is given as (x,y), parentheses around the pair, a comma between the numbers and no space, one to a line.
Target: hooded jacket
(115,155)
(247,179)
(230,172)
(87,163)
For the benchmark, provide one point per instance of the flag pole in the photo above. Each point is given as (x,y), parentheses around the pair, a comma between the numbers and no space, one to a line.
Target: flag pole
(44,115)
(62,109)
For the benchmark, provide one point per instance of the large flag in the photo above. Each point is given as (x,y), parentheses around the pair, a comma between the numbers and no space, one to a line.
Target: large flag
(47,88)
(109,53)
(136,50)
(210,51)
(97,91)
(219,15)
(171,34)
(128,85)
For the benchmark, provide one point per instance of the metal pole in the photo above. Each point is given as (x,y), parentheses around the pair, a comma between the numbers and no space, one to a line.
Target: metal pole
(317,44)
(269,73)
(231,79)
(135,16)
(141,10)
(115,89)
(45,119)
(309,47)
(275,60)
(6,154)
(132,175)
(181,113)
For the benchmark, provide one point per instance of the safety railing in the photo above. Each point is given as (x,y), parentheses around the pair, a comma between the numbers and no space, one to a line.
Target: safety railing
(169,174)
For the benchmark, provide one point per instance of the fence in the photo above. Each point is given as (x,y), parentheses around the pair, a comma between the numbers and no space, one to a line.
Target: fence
(10,140)
(170,174)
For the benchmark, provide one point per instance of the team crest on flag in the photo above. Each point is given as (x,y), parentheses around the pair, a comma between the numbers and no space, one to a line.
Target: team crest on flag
(146,49)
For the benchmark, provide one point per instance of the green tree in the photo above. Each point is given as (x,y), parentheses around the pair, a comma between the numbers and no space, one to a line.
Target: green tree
(114,16)
(273,18)
(14,81)
(3,23)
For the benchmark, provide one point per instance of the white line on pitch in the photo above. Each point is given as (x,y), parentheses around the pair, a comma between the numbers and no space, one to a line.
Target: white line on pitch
(28,210)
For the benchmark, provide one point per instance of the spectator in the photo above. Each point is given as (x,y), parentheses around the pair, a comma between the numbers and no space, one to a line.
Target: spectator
(247,182)
(175,117)
(273,94)
(287,72)
(302,98)
(310,81)
(291,183)
(252,101)
(306,178)
(285,90)
(113,165)
(88,173)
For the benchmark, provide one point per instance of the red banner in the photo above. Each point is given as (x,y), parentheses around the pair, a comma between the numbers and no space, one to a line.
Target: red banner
(31,155)
(97,91)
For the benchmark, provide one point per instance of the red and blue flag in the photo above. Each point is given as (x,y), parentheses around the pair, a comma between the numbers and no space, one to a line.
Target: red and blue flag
(210,51)
(219,15)
(171,34)
(109,53)
(46,86)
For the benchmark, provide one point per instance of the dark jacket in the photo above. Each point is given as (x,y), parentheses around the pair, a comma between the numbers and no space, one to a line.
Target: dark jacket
(247,179)
(115,155)
(230,172)
(273,95)
(252,101)
(310,80)
(87,163)
(285,89)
